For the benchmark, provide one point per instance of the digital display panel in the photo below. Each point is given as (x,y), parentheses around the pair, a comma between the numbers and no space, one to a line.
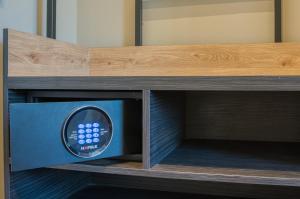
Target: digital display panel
(87,132)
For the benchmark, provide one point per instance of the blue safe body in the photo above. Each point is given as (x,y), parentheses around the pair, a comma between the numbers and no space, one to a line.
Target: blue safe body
(36,133)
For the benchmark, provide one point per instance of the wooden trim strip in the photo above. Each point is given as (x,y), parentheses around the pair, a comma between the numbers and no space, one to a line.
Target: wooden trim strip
(157,83)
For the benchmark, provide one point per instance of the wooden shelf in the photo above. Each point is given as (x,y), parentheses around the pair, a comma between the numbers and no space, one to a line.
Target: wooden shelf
(105,166)
(236,161)
(35,62)
(30,55)
(258,163)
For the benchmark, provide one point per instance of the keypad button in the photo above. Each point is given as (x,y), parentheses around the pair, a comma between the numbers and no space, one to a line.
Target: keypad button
(95,130)
(89,141)
(96,135)
(81,131)
(81,142)
(88,125)
(80,126)
(89,136)
(81,137)
(96,140)
(88,130)
(96,125)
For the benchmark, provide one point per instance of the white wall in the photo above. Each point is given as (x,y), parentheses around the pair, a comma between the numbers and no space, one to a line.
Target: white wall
(20,15)
(208,21)
(291,16)
(66,23)
(105,23)
(96,23)
(111,22)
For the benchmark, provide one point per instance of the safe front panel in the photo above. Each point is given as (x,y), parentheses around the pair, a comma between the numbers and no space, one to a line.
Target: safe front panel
(46,134)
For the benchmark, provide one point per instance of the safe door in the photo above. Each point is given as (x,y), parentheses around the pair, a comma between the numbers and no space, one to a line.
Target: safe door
(56,133)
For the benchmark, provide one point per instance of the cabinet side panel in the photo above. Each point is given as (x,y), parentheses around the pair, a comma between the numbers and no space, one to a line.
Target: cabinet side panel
(166,124)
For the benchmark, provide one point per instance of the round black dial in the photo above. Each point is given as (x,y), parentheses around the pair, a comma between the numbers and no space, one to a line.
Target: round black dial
(87,132)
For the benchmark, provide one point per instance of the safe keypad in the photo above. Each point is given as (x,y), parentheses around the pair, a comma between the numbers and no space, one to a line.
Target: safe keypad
(88,133)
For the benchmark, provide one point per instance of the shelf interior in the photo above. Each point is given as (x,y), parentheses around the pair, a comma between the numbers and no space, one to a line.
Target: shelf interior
(265,159)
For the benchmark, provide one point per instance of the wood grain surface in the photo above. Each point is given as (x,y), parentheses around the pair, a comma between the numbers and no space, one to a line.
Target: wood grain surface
(31,55)
(198,60)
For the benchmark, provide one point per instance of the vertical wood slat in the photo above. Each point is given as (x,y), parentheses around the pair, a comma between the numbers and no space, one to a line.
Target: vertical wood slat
(146,129)
(5,116)
(166,125)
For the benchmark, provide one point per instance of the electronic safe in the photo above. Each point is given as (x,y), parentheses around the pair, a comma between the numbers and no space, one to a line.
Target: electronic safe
(44,134)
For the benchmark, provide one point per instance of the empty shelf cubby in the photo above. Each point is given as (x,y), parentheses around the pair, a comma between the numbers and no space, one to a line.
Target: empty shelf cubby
(226,133)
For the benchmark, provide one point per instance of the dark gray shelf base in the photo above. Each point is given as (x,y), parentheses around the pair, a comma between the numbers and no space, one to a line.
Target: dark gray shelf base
(256,163)
(285,83)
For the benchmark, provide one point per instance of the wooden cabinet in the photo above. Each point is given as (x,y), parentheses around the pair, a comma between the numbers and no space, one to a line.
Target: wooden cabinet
(217,120)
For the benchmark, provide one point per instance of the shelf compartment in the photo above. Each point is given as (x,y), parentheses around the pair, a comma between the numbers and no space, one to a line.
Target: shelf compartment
(274,162)
(241,137)
(213,161)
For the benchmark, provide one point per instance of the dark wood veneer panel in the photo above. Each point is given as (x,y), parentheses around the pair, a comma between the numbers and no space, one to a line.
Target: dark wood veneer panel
(86,94)
(202,187)
(264,162)
(261,116)
(190,178)
(146,129)
(197,173)
(166,124)
(284,83)
(47,183)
